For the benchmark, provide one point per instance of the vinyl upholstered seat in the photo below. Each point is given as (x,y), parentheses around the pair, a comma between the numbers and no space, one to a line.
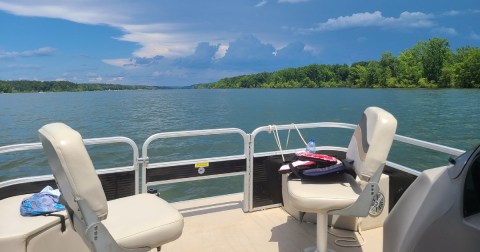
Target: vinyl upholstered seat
(440,211)
(341,194)
(338,191)
(135,223)
(155,224)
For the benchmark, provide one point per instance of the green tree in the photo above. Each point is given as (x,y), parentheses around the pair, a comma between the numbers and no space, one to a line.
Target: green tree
(468,71)
(358,75)
(410,67)
(313,73)
(5,87)
(447,77)
(435,55)
(340,73)
(390,64)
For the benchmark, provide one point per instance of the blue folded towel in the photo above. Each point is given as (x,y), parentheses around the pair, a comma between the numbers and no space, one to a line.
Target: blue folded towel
(42,203)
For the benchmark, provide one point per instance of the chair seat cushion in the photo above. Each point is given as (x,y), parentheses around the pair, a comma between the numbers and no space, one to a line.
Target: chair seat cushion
(324,193)
(143,220)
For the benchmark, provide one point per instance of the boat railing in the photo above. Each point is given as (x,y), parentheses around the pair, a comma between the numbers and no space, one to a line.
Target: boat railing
(428,145)
(196,163)
(90,141)
(245,159)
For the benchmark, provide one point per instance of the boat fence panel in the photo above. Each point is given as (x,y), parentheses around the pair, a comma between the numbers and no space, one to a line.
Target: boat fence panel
(195,169)
(188,170)
(117,182)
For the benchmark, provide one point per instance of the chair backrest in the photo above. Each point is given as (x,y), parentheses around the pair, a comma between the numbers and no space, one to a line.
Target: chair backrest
(371,141)
(72,168)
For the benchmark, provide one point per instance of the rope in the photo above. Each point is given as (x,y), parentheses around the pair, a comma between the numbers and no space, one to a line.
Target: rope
(288,138)
(300,134)
(274,130)
(348,240)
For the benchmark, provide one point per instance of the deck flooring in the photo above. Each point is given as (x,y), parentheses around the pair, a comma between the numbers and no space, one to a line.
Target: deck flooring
(219,224)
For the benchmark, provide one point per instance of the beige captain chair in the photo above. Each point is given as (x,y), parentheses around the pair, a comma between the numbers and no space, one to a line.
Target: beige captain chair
(135,223)
(341,194)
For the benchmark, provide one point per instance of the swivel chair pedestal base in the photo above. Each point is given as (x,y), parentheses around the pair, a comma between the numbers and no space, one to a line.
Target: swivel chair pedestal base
(322,235)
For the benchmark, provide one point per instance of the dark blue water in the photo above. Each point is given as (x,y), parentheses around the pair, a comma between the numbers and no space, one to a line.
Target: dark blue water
(448,117)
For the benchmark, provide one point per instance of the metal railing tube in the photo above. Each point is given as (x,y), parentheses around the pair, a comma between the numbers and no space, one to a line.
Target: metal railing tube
(428,145)
(20,147)
(120,139)
(191,133)
(90,141)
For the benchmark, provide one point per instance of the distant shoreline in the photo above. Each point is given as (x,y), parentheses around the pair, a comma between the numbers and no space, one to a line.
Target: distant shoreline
(74,91)
(28,86)
(230,88)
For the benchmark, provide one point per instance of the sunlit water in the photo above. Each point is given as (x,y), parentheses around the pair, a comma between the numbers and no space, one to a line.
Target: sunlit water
(448,116)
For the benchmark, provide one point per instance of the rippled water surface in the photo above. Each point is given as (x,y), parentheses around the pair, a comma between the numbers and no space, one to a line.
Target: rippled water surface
(448,117)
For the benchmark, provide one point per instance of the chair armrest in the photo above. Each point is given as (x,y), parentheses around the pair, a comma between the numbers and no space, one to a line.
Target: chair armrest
(362,205)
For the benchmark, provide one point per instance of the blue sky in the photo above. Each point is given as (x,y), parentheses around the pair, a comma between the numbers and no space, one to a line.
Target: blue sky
(178,43)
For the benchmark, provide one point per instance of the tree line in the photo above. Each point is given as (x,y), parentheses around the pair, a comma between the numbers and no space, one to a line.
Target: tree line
(428,64)
(28,86)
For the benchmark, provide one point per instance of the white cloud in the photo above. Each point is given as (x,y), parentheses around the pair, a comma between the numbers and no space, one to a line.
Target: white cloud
(76,11)
(155,41)
(117,79)
(117,62)
(135,62)
(445,31)
(412,20)
(222,50)
(95,79)
(452,13)
(174,39)
(166,39)
(261,3)
(313,50)
(376,19)
(43,51)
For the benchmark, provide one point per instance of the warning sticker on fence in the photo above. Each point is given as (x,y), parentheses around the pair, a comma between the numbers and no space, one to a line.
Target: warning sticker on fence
(204,164)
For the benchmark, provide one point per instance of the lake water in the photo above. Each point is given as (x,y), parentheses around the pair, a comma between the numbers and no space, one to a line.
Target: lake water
(446,116)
